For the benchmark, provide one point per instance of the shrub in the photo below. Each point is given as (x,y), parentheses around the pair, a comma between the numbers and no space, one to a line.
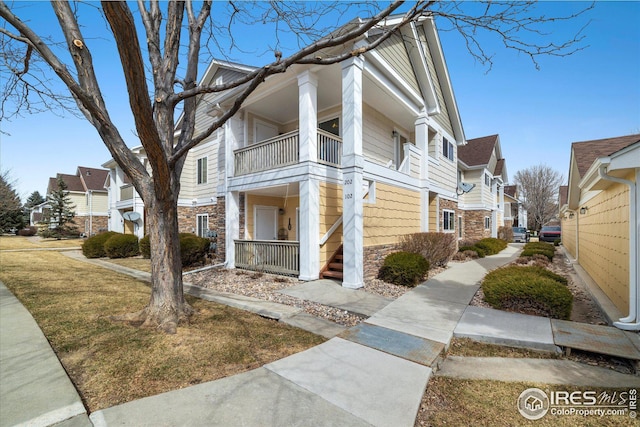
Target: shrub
(532,252)
(93,247)
(491,246)
(121,246)
(28,231)
(556,242)
(532,288)
(404,268)
(437,248)
(193,249)
(539,245)
(145,247)
(505,233)
(479,251)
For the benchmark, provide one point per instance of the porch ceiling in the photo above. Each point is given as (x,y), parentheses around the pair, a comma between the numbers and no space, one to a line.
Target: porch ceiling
(278,100)
(277,191)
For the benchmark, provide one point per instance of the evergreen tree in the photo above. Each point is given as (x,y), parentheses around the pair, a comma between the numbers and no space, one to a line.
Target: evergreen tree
(60,215)
(33,200)
(10,206)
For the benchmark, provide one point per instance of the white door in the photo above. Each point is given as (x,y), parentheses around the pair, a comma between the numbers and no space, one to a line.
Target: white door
(264,131)
(266,223)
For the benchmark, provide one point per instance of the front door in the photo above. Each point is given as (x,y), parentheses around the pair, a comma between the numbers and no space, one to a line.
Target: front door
(266,222)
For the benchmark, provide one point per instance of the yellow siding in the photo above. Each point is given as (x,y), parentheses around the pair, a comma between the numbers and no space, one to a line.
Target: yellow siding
(80,201)
(395,213)
(252,200)
(433,213)
(569,234)
(100,202)
(604,243)
(330,212)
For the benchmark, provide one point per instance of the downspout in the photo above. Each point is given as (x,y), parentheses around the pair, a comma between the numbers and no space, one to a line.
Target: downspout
(632,321)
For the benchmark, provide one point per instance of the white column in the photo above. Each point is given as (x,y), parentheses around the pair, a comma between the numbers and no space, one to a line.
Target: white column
(308,116)
(352,167)
(422,142)
(309,229)
(232,226)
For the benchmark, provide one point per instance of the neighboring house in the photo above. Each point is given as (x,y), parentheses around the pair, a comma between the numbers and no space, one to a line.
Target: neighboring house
(515,215)
(480,163)
(87,193)
(324,163)
(600,219)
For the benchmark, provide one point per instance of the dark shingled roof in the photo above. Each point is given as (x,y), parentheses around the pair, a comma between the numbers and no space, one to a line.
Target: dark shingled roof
(499,167)
(564,194)
(477,151)
(510,190)
(93,178)
(586,152)
(73,183)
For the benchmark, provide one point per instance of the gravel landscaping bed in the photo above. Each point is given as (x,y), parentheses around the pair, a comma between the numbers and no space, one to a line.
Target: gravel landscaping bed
(266,286)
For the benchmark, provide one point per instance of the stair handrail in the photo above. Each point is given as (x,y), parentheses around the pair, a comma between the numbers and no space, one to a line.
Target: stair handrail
(330,232)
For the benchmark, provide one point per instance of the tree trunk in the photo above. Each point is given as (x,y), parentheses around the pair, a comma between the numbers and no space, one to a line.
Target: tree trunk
(167,307)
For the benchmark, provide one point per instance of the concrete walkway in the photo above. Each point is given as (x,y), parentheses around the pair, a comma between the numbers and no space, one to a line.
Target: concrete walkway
(372,374)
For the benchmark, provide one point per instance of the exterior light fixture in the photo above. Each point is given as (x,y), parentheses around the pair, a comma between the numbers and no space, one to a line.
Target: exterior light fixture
(583,210)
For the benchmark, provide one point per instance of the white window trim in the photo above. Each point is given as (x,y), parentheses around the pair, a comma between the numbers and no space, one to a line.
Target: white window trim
(206,172)
(450,148)
(198,217)
(452,221)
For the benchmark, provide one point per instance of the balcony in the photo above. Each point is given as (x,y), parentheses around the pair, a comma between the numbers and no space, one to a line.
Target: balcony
(284,150)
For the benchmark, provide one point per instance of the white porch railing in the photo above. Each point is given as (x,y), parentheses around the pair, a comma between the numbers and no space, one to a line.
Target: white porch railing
(283,150)
(268,256)
(329,149)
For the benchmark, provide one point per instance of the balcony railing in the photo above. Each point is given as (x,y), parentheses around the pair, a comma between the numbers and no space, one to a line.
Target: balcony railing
(268,256)
(284,150)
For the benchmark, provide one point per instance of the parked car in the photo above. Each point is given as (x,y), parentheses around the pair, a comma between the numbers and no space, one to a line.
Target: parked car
(520,234)
(550,233)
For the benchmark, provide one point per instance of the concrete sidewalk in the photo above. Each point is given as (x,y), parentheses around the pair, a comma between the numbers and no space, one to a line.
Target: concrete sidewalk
(34,387)
(372,374)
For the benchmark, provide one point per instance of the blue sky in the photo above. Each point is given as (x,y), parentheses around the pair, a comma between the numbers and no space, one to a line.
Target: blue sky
(592,94)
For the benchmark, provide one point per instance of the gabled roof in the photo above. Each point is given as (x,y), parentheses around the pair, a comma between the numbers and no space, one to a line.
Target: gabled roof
(478,151)
(73,183)
(93,179)
(587,155)
(586,152)
(499,167)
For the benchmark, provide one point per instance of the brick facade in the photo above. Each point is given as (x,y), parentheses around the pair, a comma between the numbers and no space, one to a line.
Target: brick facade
(91,225)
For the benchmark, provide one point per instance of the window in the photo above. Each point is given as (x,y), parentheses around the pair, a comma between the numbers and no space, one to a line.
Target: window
(331,126)
(459,227)
(202,224)
(487,180)
(448,220)
(202,170)
(487,222)
(447,149)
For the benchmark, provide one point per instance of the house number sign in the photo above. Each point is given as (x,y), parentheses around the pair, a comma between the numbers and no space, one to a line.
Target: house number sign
(348,189)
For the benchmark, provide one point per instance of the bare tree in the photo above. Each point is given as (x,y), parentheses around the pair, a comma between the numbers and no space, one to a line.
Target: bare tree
(538,186)
(158,86)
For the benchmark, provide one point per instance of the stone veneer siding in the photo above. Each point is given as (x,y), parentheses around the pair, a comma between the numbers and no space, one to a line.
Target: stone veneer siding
(374,257)
(474,225)
(217,216)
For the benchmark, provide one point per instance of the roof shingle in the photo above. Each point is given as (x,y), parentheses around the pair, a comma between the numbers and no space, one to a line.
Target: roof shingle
(586,152)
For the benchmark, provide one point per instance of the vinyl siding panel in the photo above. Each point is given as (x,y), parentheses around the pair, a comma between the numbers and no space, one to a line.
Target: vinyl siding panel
(330,212)
(377,144)
(396,212)
(604,242)
(443,118)
(395,53)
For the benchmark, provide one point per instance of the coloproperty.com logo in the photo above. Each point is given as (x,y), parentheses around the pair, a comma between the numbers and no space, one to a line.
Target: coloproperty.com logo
(534,403)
